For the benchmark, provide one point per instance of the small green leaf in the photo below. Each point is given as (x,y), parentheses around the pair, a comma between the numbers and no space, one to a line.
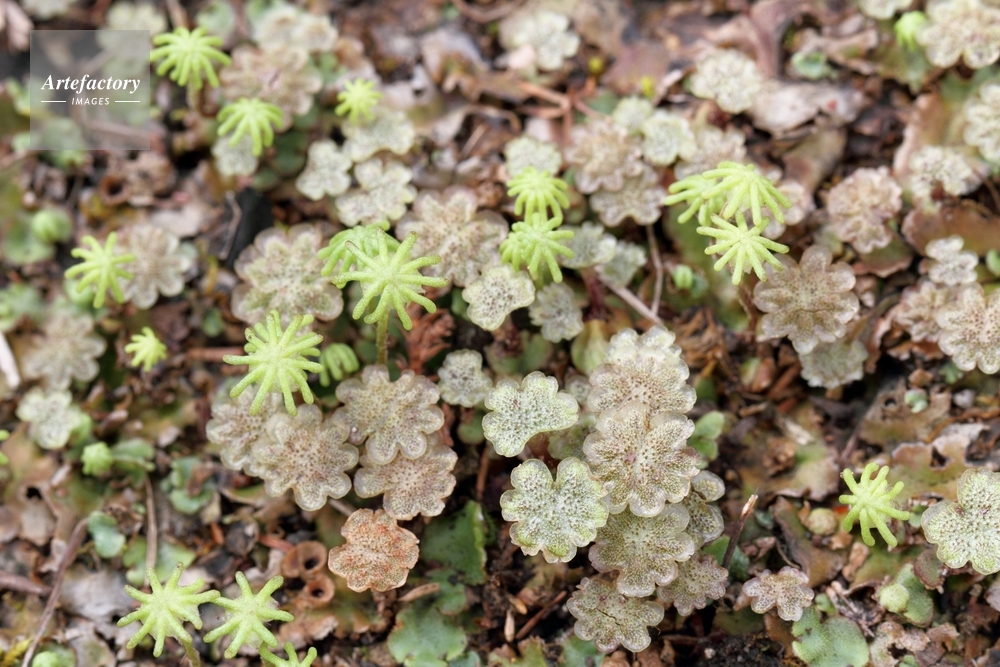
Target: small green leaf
(133,457)
(871,501)
(108,541)
(54,656)
(468,659)
(450,598)
(458,541)
(532,652)
(167,556)
(177,485)
(739,564)
(579,653)
(424,638)
(837,642)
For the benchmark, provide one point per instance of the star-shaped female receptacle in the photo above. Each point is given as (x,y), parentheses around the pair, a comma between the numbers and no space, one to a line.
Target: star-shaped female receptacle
(744,188)
(535,191)
(744,246)
(871,501)
(247,615)
(394,278)
(100,267)
(164,610)
(535,240)
(277,357)
(188,55)
(252,117)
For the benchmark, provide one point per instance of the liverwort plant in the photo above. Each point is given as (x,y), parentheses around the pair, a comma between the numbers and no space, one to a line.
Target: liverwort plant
(165,609)
(252,117)
(395,279)
(188,55)
(517,413)
(277,357)
(554,516)
(100,268)
(871,501)
(968,530)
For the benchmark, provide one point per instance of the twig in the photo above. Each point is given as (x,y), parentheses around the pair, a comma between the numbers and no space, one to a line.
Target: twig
(15,582)
(542,613)
(177,14)
(582,107)
(151,530)
(549,95)
(474,138)
(344,508)
(484,466)
(117,130)
(595,292)
(970,414)
(852,442)
(8,366)
(654,252)
(635,302)
(421,591)
(738,529)
(13,158)
(274,542)
(75,539)
(212,353)
(231,232)
(993,194)
(483,16)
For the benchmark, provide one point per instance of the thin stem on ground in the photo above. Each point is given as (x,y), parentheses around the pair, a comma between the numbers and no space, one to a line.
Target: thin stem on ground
(382,341)
(654,253)
(76,538)
(192,654)
(634,301)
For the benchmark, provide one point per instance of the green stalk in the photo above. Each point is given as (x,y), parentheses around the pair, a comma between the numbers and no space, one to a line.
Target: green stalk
(191,654)
(382,340)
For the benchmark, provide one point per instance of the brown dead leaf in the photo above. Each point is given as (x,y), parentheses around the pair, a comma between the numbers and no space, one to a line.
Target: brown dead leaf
(819,563)
(616,659)
(973,222)
(649,658)
(782,107)
(889,421)
(914,464)
(17,24)
(886,261)
(641,59)
(855,559)
(601,22)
